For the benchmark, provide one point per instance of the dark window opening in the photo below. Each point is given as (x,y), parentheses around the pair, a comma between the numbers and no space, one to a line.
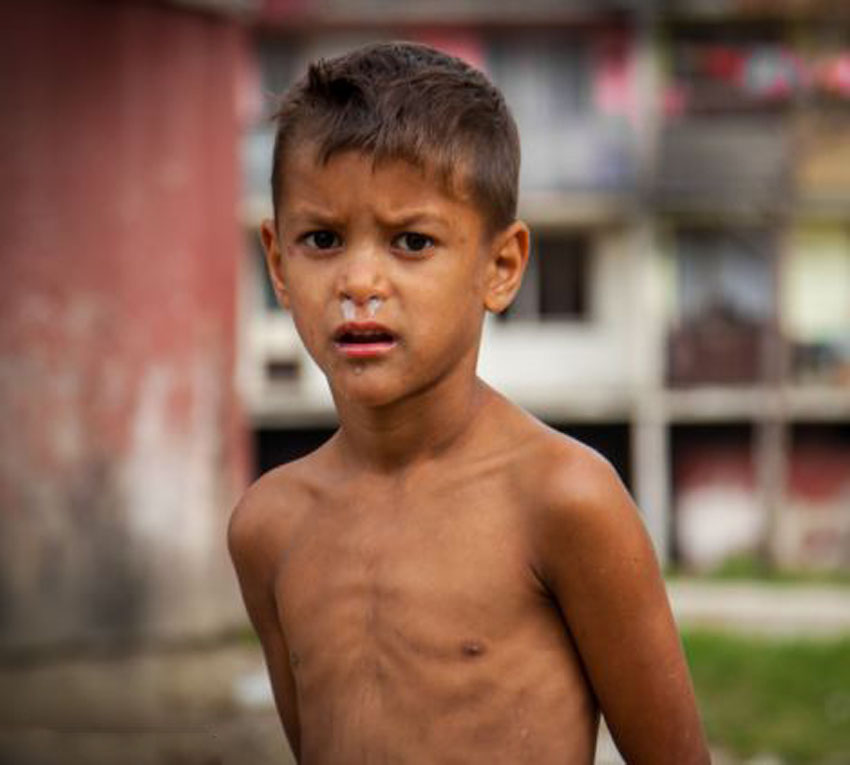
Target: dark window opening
(556,283)
(282,370)
(277,446)
(611,440)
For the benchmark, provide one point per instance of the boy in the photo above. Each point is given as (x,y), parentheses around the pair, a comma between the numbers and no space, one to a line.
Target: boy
(446,580)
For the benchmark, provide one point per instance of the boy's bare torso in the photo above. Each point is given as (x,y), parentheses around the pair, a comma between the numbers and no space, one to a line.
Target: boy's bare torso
(416,625)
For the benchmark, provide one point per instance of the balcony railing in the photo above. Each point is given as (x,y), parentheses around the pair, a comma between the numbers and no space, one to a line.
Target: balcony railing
(729,165)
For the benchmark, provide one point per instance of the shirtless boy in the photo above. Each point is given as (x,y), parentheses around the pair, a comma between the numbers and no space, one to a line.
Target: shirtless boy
(446,580)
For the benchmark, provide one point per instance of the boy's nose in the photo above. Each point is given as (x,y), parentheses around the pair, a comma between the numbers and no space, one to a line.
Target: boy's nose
(362,279)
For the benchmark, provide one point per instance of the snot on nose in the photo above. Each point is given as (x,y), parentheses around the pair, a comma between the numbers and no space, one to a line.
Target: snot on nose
(349,308)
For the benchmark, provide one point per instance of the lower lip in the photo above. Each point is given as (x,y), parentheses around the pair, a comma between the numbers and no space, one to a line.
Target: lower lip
(365,350)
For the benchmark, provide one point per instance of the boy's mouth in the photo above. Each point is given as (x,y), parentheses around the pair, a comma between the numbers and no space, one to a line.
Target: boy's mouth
(362,339)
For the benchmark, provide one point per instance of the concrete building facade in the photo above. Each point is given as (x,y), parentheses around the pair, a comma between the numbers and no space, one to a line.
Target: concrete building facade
(687,292)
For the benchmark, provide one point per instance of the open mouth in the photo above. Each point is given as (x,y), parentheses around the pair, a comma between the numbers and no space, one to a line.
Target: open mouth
(360,339)
(364,338)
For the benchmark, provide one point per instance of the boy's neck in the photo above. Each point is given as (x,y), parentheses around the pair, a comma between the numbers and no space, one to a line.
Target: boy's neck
(417,428)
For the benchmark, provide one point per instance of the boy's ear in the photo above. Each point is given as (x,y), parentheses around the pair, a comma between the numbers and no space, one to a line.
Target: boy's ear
(508,259)
(274,261)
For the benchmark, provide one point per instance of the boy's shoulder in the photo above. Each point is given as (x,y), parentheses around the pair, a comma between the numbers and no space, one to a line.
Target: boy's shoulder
(566,477)
(582,519)
(274,503)
(571,495)
(575,479)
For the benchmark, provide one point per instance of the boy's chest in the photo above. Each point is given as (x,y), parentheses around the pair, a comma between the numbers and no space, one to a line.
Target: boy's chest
(439,574)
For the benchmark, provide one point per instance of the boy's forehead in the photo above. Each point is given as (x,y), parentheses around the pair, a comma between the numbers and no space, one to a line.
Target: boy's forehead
(308,173)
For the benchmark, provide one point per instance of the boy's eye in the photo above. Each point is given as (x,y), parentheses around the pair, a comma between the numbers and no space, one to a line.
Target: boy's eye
(412,242)
(321,240)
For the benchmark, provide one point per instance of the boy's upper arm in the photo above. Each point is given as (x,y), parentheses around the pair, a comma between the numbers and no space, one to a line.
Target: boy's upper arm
(597,559)
(254,555)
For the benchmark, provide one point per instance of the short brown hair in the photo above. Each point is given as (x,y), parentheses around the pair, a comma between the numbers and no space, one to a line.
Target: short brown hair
(407,101)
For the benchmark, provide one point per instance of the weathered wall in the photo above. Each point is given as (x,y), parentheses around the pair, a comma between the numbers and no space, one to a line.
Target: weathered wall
(121,448)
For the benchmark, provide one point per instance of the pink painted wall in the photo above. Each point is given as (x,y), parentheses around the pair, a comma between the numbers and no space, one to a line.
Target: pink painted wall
(121,444)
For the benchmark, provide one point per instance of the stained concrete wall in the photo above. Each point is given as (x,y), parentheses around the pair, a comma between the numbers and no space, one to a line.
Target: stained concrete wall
(121,445)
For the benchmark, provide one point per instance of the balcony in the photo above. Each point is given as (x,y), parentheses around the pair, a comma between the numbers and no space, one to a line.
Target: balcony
(728,166)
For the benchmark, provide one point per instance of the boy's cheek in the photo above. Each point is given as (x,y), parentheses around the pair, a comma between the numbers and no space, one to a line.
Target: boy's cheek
(308,333)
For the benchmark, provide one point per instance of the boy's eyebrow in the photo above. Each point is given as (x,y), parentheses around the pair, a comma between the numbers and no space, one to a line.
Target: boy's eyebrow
(412,218)
(308,212)
(403,219)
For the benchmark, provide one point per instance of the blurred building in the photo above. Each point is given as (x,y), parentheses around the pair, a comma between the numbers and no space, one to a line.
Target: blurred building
(686,174)
(686,310)
(122,446)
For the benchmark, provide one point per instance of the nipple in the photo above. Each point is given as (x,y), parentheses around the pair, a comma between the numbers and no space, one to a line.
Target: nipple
(472,648)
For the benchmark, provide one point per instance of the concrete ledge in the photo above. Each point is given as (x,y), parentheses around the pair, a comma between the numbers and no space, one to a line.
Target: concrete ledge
(774,609)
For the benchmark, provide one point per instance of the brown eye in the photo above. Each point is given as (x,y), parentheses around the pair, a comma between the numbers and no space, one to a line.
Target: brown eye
(413,242)
(321,240)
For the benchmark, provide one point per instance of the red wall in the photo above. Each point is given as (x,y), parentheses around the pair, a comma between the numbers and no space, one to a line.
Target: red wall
(121,446)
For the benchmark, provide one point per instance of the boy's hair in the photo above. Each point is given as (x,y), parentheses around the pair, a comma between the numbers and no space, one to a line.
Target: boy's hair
(407,101)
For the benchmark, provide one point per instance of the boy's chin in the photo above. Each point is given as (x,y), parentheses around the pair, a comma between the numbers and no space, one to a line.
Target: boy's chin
(368,387)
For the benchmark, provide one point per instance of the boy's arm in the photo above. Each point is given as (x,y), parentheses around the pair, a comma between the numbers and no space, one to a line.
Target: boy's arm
(253,558)
(598,561)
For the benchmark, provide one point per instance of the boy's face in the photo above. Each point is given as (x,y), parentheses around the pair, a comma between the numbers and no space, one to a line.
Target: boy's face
(386,274)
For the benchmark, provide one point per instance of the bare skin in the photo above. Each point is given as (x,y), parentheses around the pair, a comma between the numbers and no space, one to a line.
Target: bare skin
(446,580)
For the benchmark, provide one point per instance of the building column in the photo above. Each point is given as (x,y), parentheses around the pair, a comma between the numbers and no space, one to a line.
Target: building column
(651,469)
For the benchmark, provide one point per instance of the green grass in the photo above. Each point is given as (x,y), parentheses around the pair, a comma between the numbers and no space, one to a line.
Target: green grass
(752,568)
(789,698)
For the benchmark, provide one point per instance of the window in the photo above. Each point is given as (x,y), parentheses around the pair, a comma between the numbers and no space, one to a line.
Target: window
(726,272)
(816,303)
(552,83)
(726,305)
(556,283)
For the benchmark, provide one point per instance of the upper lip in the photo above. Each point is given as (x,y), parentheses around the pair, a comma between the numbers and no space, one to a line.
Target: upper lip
(362,329)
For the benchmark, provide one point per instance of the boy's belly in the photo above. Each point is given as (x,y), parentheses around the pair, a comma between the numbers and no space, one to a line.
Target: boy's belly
(393,700)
